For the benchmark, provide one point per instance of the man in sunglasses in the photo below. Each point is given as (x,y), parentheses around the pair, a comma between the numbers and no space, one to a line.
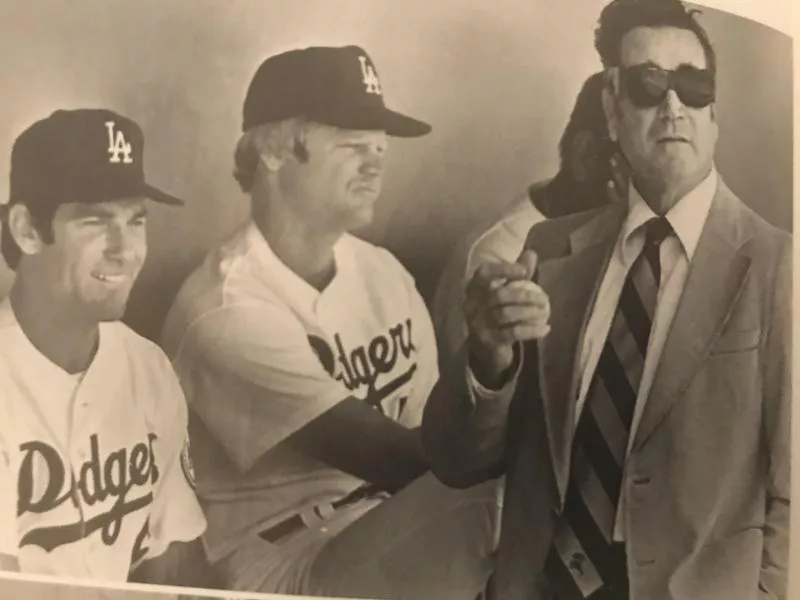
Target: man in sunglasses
(636,392)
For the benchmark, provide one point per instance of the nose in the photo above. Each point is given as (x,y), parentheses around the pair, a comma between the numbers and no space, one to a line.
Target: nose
(671,106)
(123,242)
(372,163)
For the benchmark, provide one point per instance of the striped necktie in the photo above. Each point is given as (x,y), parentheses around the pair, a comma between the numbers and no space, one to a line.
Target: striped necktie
(584,561)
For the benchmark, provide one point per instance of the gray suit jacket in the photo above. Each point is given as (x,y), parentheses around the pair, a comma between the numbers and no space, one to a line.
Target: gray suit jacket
(707,480)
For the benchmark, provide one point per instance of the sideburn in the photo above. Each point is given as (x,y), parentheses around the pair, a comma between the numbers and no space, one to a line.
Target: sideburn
(300,151)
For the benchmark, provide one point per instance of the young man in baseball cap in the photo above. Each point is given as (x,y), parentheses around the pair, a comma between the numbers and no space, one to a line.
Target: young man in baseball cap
(94,470)
(307,356)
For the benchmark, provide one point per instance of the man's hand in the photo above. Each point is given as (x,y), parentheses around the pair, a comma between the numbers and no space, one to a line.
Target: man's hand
(503,306)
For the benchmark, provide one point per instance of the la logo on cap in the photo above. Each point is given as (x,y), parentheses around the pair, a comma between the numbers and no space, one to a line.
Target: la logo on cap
(117,145)
(371,80)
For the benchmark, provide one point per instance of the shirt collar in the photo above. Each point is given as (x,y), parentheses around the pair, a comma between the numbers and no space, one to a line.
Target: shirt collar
(54,375)
(280,277)
(275,273)
(687,217)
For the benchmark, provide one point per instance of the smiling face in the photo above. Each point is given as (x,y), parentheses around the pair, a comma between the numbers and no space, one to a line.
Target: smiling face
(336,188)
(671,145)
(87,272)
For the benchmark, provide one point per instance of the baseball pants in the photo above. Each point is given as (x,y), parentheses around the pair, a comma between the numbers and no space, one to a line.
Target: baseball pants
(427,541)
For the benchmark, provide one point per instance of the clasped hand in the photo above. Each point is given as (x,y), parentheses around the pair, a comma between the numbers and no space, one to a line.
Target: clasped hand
(503,306)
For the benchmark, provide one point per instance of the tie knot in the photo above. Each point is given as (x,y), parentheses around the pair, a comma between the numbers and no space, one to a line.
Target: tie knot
(657,230)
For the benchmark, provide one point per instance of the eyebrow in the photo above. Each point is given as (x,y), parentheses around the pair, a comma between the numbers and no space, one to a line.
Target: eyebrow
(352,140)
(84,210)
(359,142)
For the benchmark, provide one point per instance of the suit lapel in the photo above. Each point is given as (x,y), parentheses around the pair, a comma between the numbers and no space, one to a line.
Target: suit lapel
(714,281)
(571,283)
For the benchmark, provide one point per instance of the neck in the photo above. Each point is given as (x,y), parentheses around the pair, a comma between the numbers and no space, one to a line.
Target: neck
(662,195)
(305,249)
(66,341)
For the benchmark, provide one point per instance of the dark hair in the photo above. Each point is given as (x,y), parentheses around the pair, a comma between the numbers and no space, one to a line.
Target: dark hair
(587,115)
(42,217)
(621,16)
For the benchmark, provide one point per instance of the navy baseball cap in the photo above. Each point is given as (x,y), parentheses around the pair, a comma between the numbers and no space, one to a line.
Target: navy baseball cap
(84,155)
(332,86)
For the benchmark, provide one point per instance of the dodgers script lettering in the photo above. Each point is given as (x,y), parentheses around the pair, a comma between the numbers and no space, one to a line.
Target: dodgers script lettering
(364,364)
(95,481)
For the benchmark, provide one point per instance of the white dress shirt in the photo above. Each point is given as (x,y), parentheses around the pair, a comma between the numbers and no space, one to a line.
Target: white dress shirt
(687,219)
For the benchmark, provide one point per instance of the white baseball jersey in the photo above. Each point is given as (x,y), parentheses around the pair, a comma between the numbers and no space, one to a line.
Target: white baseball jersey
(94,470)
(261,353)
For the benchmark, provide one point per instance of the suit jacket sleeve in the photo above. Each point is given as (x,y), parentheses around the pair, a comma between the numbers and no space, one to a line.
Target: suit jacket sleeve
(468,435)
(464,429)
(777,425)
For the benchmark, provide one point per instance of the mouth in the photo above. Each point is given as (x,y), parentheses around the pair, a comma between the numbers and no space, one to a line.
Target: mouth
(111,278)
(366,189)
(668,139)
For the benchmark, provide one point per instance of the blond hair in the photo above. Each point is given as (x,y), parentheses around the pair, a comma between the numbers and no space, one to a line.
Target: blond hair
(276,138)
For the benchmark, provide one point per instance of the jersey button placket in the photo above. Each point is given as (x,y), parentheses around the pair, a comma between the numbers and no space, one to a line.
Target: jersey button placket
(78,456)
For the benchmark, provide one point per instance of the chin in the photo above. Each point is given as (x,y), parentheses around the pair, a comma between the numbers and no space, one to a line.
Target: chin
(360,217)
(675,164)
(111,309)
(109,315)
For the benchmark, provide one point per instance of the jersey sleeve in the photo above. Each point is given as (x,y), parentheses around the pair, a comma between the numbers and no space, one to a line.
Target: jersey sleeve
(505,239)
(446,310)
(175,514)
(424,339)
(254,377)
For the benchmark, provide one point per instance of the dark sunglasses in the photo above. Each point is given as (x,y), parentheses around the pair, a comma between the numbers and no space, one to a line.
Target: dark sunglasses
(647,85)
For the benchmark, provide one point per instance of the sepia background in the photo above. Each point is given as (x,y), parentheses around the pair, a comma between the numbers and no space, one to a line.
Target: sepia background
(496,81)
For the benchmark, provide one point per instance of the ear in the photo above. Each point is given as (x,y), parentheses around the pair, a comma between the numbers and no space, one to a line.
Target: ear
(271,161)
(609,100)
(23,230)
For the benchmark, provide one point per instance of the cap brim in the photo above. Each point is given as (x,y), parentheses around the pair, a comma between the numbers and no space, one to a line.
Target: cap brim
(399,125)
(158,196)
